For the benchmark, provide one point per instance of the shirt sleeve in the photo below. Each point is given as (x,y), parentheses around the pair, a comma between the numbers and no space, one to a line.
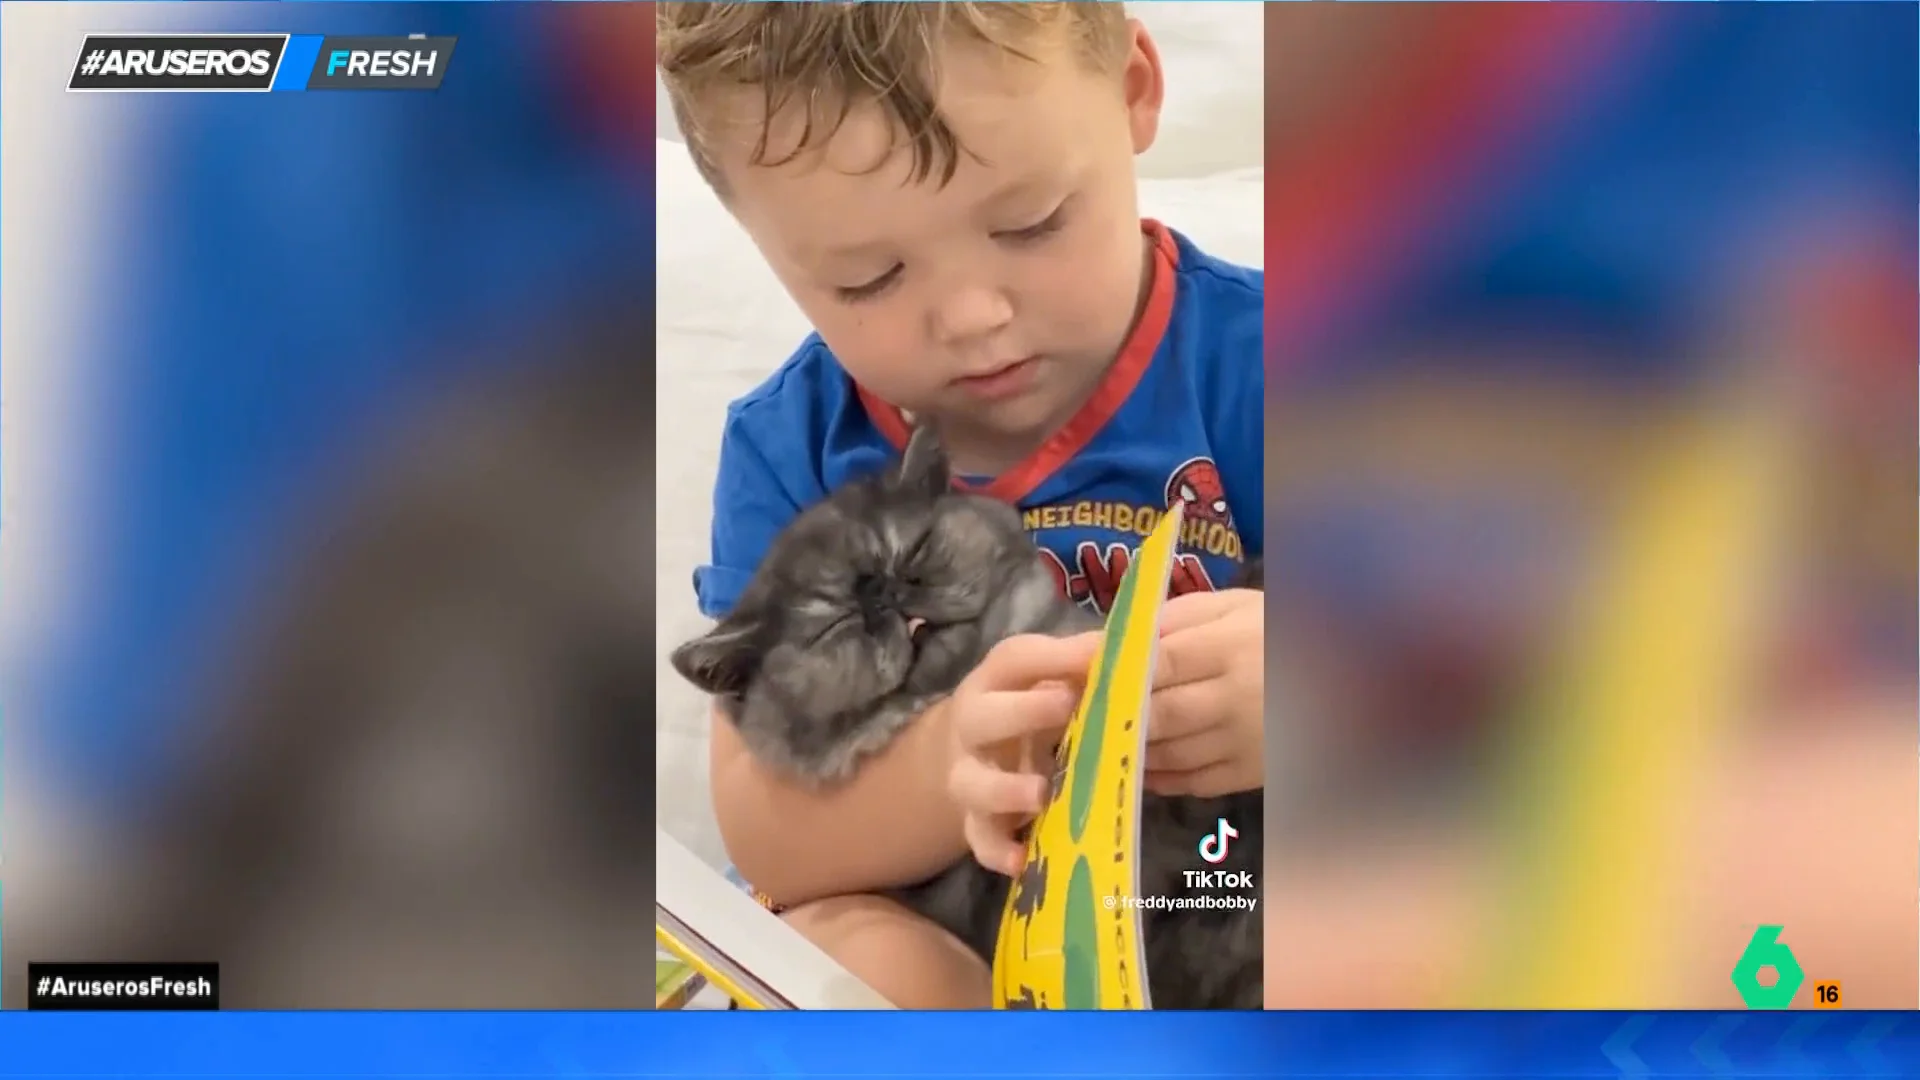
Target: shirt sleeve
(752,501)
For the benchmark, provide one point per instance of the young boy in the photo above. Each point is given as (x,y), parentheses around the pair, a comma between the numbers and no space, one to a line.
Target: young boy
(947,190)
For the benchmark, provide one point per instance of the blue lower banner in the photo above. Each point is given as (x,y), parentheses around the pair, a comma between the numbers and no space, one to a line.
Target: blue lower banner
(1007,1044)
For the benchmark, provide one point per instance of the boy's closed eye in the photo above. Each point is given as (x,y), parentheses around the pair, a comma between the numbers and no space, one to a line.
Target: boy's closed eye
(877,286)
(1039,230)
(872,287)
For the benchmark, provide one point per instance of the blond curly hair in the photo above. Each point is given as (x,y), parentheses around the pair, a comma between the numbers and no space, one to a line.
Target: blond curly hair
(832,57)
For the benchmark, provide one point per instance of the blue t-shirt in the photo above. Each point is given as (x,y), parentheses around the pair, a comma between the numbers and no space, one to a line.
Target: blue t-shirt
(1180,417)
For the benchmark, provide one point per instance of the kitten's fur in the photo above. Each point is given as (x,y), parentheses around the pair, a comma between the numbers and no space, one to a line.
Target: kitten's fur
(820,667)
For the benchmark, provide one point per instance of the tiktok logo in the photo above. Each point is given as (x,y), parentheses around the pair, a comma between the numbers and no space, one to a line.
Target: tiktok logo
(1213,846)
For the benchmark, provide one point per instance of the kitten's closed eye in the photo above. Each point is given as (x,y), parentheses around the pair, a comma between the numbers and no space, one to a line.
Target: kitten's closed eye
(864,608)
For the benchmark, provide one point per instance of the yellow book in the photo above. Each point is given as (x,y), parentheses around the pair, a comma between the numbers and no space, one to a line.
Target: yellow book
(1070,938)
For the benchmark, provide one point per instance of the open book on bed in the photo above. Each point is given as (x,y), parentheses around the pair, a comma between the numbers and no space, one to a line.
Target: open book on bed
(741,948)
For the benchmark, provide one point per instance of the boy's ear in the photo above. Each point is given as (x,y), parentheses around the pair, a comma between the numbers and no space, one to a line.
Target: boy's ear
(1145,85)
(923,465)
(723,660)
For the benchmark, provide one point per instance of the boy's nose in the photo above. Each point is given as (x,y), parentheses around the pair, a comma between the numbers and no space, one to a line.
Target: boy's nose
(967,315)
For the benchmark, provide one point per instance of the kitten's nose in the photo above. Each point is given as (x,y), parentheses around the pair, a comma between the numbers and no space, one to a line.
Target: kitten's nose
(872,591)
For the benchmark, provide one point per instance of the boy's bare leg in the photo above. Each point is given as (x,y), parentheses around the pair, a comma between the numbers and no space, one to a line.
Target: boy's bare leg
(905,958)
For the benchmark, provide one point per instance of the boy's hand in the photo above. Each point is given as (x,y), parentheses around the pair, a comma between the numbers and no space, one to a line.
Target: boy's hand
(1208,728)
(1006,718)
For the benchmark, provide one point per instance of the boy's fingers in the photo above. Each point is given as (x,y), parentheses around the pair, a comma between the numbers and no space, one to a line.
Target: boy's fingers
(1194,654)
(1010,715)
(1020,662)
(978,788)
(1220,778)
(1168,784)
(1192,609)
(1196,751)
(1184,711)
(994,847)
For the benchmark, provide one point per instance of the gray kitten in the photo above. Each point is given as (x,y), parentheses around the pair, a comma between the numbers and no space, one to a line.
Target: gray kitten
(874,604)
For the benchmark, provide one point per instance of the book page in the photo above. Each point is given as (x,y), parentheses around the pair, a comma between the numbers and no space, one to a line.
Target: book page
(1070,937)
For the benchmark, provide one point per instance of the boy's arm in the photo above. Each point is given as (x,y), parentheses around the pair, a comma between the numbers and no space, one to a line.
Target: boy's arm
(892,824)
(889,826)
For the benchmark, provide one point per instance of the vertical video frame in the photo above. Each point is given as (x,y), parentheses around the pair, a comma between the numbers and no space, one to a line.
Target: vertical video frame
(960,365)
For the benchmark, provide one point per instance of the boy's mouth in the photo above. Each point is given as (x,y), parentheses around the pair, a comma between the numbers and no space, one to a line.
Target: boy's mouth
(1004,381)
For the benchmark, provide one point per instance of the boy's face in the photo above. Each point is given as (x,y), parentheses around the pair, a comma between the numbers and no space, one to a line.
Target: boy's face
(997,300)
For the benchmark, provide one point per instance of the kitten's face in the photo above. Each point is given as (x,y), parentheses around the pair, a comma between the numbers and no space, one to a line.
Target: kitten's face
(875,593)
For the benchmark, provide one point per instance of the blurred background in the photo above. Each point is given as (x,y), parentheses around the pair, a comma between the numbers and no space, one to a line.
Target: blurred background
(328,548)
(1592,331)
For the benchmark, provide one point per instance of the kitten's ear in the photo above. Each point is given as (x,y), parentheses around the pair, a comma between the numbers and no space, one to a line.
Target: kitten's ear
(721,661)
(923,465)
